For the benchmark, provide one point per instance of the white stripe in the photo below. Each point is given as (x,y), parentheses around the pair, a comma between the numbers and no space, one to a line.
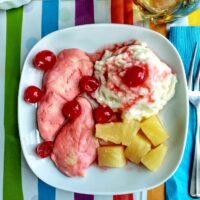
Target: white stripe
(66,13)
(139,23)
(29,182)
(140,195)
(144,195)
(180,22)
(137,196)
(102,11)
(2,80)
(98,197)
(63,195)
(31,33)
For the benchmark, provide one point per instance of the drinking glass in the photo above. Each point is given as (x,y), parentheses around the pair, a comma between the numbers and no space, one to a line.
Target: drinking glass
(162,11)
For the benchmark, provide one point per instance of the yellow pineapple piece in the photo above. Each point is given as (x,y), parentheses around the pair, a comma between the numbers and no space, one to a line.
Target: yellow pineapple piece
(154,130)
(139,147)
(155,157)
(111,156)
(112,132)
(130,129)
(118,132)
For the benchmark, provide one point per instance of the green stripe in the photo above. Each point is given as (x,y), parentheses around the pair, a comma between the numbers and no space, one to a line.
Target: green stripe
(12,185)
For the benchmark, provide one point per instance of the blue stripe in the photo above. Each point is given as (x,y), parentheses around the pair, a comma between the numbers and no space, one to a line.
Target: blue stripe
(177,187)
(45,192)
(49,16)
(49,24)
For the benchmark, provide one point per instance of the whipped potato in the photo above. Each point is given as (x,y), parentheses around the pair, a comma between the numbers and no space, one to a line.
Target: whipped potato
(135,102)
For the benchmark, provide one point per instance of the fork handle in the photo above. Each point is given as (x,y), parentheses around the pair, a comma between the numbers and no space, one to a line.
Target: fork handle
(195,178)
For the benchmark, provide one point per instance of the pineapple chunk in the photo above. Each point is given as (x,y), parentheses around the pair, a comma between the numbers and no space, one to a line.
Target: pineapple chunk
(105,143)
(130,129)
(155,157)
(139,147)
(111,156)
(118,132)
(110,132)
(154,130)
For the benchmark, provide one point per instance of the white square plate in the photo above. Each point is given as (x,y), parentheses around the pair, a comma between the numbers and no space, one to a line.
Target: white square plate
(131,178)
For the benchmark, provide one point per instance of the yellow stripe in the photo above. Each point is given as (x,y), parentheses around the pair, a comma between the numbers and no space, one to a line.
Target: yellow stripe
(193,18)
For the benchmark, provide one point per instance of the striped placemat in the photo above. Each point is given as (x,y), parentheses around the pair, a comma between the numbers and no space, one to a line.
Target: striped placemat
(20,29)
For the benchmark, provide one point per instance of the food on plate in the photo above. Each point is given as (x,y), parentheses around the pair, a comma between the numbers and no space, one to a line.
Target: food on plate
(138,148)
(61,84)
(49,115)
(44,60)
(139,145)
(111,132)
(32,94)
(89,84)
(71,110)
(154,130)
(75,145)
(111,156)
(134,80)
(153,159)
(102,105)
(130,129)
(71,66)
(118,132)
(103,114)
(44,149)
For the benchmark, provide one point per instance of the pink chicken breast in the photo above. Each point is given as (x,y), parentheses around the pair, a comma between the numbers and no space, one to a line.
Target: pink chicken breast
(75,145)
(61,84)
(63,79)
(49,116)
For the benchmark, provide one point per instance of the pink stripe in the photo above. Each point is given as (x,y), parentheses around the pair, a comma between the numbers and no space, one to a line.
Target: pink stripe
(84,12)
(78,196)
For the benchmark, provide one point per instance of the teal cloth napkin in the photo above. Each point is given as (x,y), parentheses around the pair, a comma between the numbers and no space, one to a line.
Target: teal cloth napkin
(177,187)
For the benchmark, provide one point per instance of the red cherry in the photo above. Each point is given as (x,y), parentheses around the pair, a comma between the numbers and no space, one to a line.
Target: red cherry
(44,60)
(32,94)
(135,76)
(72,109)
(44,149)
(103,114)
(89,84)
(116,117)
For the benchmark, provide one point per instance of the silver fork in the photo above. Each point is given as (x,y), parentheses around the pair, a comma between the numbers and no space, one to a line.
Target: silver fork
(194,97)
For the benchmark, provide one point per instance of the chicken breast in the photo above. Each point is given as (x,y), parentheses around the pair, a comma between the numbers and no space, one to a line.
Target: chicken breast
(63,79)
(75,145)
(49,115)
(61,84)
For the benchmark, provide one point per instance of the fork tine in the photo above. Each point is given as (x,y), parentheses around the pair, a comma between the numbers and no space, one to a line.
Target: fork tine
(196,84)
(190,78)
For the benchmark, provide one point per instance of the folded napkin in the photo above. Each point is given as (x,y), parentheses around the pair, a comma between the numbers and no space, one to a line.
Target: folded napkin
(8,4)
(177,187)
